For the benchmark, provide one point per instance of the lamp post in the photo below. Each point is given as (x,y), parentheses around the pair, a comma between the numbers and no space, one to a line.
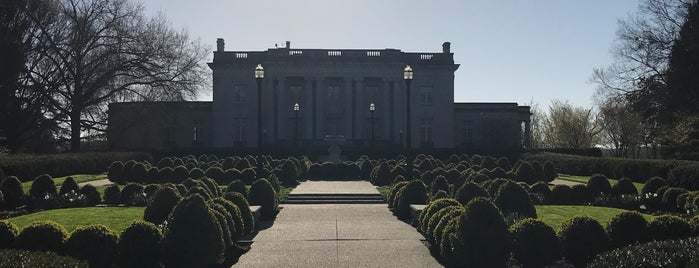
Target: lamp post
(296,123)
(372,108)
(408,77)
(259,75)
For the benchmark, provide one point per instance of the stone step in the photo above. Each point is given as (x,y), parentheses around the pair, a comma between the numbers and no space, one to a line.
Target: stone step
(334,201)
(327,196)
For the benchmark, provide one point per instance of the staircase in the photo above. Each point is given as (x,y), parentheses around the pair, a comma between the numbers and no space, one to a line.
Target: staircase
(335,198)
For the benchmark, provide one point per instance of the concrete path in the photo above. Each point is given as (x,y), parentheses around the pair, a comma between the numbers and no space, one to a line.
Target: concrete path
(335,187)
(96,183)
(565,182)
(337,235)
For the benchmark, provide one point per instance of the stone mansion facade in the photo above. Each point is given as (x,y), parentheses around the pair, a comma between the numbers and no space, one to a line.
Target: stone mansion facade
(334,89)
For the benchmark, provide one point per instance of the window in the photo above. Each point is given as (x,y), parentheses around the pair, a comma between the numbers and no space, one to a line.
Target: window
(195,134)
(426,131)
(239,130)
(333,94)
(426,95)
(467,132)
(238,94)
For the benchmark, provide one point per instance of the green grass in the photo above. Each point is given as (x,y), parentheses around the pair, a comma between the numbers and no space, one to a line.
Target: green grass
(584,179)
(79,178)
(554,216)
(384,191)
(116,218)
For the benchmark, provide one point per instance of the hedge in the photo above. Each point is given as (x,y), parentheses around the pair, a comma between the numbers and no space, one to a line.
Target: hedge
(26,167)
(23,258)
(668,253)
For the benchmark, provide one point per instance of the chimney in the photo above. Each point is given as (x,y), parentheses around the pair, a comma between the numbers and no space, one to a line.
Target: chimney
(288,44)
(220,45)
(446,48)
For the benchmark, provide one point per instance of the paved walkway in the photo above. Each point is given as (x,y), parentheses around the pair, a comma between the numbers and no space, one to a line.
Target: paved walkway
(96,183)
(565,182)
(337,235)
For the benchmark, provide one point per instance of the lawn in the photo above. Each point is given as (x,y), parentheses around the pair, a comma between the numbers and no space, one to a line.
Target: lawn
(58,181)
(116,218)
(584,179)
(554,216)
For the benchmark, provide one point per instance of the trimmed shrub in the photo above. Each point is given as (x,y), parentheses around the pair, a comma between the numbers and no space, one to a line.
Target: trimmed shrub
(92,196)
(42,236)
(540,193)
(164,175)
(239,200)
(561,195)
(115,172)
(666,227)
(534,244)
(68,185)
(139,245)
(275,182)
(184,247)
(41,186)
(513,199)
(434,219)
(393,194)
(97,244)
(12,191)
(179,174)
(262,194)
(237,227)
(671,253)
(212,186)
(504,163)
(216,173)
(438,234)
(599,184)
(669,199)
(652,185)
(196,173)
(164,200)
(439,183)
(248,175)
(288,173)
(112,194)
(150,190)
(8,234)
(415,192)
(225,221)
(483,235)
(431,209)
(131,194)
(582,238)
(203,191)
(22,258)
(550,172)
(627,228)
(440,194)
(624,187)
(579,194)
(138,173)
(237,186)
(526,173)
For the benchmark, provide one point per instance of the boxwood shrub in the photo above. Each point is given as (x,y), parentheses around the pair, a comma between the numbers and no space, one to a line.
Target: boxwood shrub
(92,196)
(580,194)
(161,205)
(12,191)
(68,185)
(540,193)
(599,185)
(8,234)
(432,208)
(550,172)
(513,199)
(139,245)
(97,244)
(415,192)
(439,183)
(239,200)
(582,238)
(534,244)
(42,236)
(453,212)
(237,186)
(112,194)
(561,195)
(624,187)
(434,219)
(132,194)
(23,258)
(627,228)
(652,185)
(669,199)
(238,227)
(668,253)
(393,193)
(468,191)
(666,227)
(262,194)
(41,186)
(483,234)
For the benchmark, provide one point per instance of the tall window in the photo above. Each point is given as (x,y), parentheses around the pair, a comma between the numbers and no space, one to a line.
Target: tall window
(426,131)
(195,134)
(426,95)
(239,130)
(467,132)
(238,94)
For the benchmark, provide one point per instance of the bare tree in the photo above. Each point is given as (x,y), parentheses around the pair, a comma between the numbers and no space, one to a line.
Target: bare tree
(537,119)
(622,128)
(570,127)
(98,51)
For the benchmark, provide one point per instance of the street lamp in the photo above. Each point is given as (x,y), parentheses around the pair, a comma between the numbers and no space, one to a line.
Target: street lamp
(296,123)
(372,108)
(259,75)
(408,77)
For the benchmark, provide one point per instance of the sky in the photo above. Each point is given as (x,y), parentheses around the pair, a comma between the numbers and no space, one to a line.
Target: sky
(509,50)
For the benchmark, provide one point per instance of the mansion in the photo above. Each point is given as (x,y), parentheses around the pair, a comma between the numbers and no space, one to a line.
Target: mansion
(310,97)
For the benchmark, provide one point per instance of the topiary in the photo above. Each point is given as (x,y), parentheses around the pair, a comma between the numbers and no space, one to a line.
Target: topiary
(666,227)
(138,173)
(483,235)
(164,175)
(42,236)
(92,196)
(8,234)
(652,185)
(582,238)
(68,185)
(239,200)
(200,191)
(212,186)
(561,195)
(599,185)
(139,245)
(225,221)
(41,186)
(669,199)
(550,172)
(184,247)
(179,174)
(579,194)
(12,191)
(248,175)
(150,190)
(262,194)
(95,243)
(131,193)
(275,182)
(513,199)
(415,192)
(439,183)
(112,194)
(627,228)
(160,206)
(216,173)
(196,173)
(493,186)
(526,173)
(433,220)
(438,233)
(238,226)
(237,186)
(432,208)
(534,244)
(393,193)
(115,172)
(540,193)
(624,187)
(440,194)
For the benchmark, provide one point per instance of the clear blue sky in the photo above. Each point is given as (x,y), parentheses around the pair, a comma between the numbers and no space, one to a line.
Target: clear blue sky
(508,50)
